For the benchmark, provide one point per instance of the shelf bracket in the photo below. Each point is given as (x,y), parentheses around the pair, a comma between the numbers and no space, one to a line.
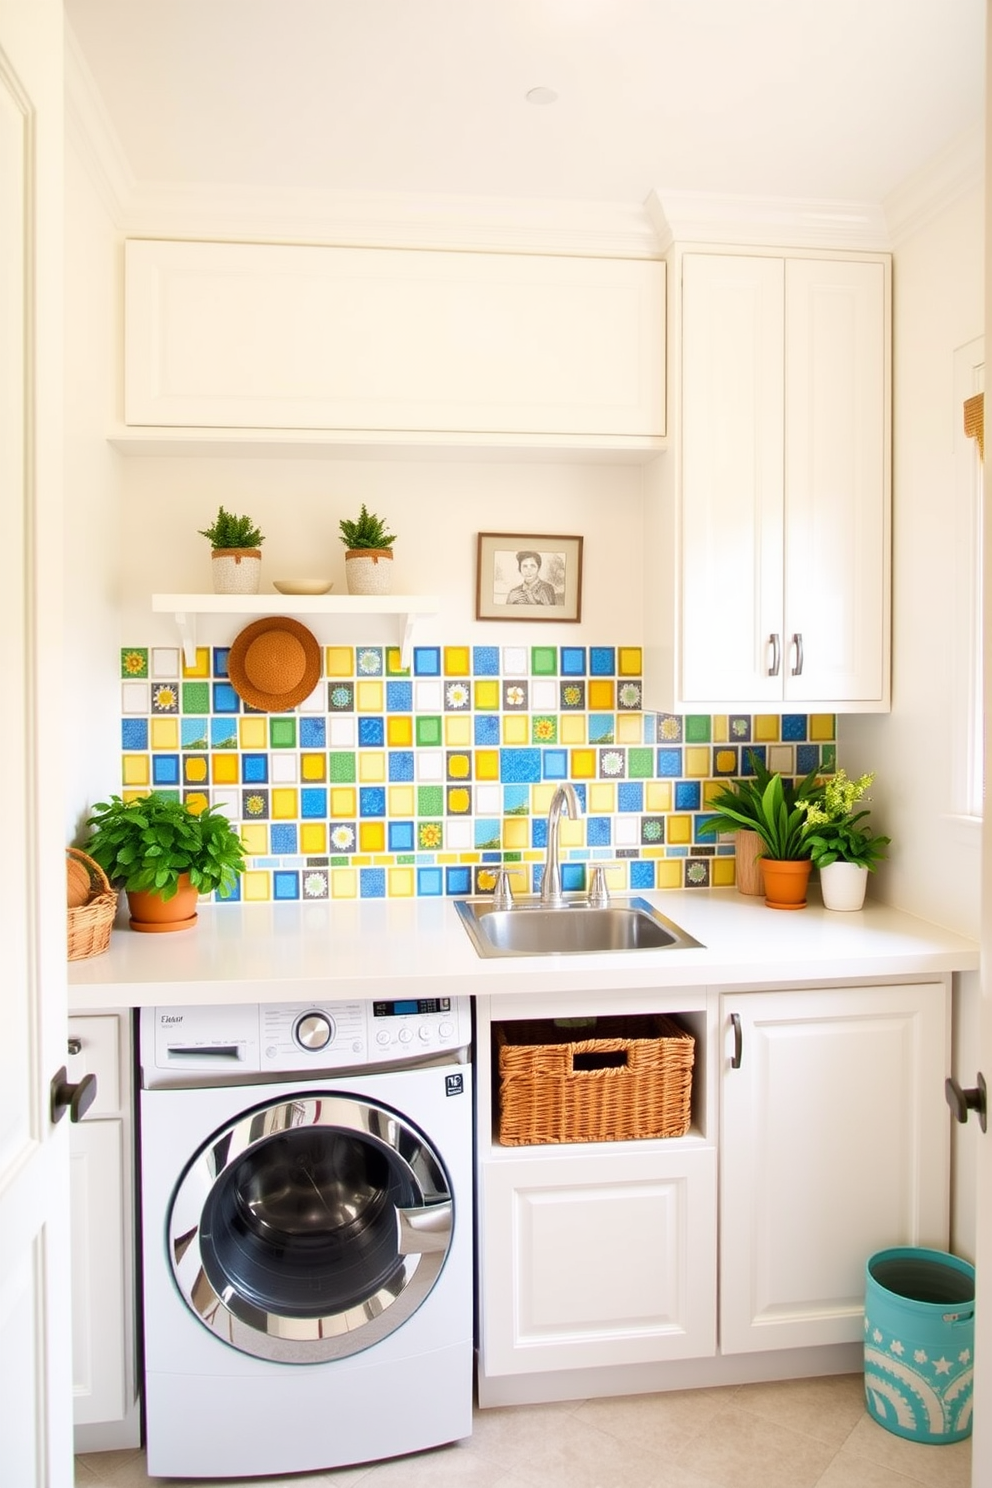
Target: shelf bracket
(187,634)
(406,641)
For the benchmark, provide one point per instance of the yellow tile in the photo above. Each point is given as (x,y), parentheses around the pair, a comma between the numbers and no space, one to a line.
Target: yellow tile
(697,761)
(196,801)
(668,874)
(629,663)
(652,852)
(135,769)
(712,788)
(444,858)
(822,727)
(371,766)
(343,801)
(313,766)
(369,696)
(371,836)
(224,769)
(541,797)
(165,733)
(630,728)
(394,663)
(572,728)
(133,795)
(766,727)
(583,764)
(486,878)
(400,883)
(255,836)
(722,874)
(469,857)
(725,761)
(399,730)
(516,833)
(194,769)
(253,733)
(616,877)
(602,798)
(515,728)
(344,883)
(201,666)
(459,767)
(487,764)
(399,799)
(285,804)
(457,661)
(487,694)
(658,795)
(457,731)
(256,885)
(339,661)
(601,695)
(313,838)
(721,728)
(678,829)
(459,800)
(572,833)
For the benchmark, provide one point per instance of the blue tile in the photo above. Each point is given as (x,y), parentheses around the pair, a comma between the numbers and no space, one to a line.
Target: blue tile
(598,831)
(457,881)
(807,758)
(642,875)
(226,700)
(283,840)
(573,877)
(233,897)
(223,733)
(630,796)
(371,733)
(371,801)
(602,661)
(555,764)
(516,800)
(538,831)
(285,884)
(401,836)
(401,763)
(254,769)
(487,833)
(669,763)
(313,733)
(749,755)
(165,769)
(602,728)
(485,661)
(134,733)
(371,883)
(427,662)
(520,765)
(193,733)
(313,802)
(430,883)
(573,661)
(221,654)
(399,697)
(794,727)
(486,728)
(687,795)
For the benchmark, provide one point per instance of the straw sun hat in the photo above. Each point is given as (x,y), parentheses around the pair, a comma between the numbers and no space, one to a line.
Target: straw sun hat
(274,664)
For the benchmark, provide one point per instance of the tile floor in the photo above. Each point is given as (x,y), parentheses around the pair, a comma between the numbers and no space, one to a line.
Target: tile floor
(795,1434)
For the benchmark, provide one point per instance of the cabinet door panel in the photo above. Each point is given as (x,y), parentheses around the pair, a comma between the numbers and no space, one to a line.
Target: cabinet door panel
(835,1144)
(598,1260)
(99,1311)
(836,530)
(732,417)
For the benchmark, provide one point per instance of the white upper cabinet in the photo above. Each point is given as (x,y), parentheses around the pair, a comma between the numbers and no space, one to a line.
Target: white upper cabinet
(778,497)
(378,342)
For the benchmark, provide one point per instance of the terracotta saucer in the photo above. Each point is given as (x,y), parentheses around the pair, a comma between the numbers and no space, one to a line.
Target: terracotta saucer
(159,927)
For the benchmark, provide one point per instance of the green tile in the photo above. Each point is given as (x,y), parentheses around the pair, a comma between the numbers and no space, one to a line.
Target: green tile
(342,767)
(196,697)
(430,800)
(134,661)
(282,733)
(544,661)
(698,728)
(640,764)
(544,729)
(428,731)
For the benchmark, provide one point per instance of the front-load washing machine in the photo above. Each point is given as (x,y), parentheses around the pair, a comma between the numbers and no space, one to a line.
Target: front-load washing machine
(306,1216)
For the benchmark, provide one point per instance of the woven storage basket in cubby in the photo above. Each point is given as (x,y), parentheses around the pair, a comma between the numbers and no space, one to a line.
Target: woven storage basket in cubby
(628,1078)
(90,924)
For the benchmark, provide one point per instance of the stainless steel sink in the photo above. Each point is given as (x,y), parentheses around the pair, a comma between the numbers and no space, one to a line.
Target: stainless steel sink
(530,928)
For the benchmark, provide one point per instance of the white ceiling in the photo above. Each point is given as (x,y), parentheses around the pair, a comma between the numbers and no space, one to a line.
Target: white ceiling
(829,99)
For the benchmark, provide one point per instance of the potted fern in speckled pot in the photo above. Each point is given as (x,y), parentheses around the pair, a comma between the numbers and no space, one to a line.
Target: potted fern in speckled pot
(236,556)
(368,559)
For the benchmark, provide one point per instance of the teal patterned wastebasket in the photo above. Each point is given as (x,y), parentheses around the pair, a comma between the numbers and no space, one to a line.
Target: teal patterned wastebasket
(919,1343)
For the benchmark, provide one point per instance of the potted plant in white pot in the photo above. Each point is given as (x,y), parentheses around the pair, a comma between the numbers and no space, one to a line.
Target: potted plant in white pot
(236,556)
(842,846)
(368,559)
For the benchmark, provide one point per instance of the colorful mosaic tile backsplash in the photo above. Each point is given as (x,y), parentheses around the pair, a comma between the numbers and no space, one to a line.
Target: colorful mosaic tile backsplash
(399,783)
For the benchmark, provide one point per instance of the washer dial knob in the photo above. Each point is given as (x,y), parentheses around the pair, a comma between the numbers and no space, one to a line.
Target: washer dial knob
(314,1031)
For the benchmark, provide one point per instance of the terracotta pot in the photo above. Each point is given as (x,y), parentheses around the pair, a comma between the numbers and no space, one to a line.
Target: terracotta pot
(785,882)
(842,886)
(236,570)
(748,848)
(368,570)
(154,915)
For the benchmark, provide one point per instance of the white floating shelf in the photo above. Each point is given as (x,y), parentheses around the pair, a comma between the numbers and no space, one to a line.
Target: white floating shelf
(186,608)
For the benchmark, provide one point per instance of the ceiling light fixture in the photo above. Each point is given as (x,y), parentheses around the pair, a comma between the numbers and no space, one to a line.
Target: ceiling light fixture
(541,95)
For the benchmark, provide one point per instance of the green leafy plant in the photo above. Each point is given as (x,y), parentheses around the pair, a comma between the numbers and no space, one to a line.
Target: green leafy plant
(150,842)
(769,805)
(229,531)
(838,833)
(367,531)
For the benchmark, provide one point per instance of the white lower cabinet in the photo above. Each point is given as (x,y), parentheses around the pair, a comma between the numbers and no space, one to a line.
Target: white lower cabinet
(104,1365)
(834,1143)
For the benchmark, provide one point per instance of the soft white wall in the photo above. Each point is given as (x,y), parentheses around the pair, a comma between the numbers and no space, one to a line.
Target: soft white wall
(938,305)
(91,702)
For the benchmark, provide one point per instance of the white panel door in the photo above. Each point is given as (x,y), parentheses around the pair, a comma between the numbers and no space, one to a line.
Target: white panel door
(835,1143)
(606,1257)
(35,1346)
(836,480)
(732,479)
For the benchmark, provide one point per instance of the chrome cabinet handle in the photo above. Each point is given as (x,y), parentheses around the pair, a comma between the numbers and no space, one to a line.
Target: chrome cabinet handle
(776,654)
(735,1019)
(797,641)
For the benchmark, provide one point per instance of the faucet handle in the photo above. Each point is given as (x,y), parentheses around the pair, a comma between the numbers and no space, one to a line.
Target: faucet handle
(502,891)
(599,894)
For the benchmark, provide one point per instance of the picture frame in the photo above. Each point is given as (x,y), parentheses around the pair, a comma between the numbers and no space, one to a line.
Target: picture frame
(511,585)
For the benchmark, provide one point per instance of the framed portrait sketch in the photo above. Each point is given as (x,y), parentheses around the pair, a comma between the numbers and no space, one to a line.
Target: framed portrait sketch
(520,576)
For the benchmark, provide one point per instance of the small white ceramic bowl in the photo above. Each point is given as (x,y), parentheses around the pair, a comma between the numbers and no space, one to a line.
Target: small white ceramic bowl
(302,586)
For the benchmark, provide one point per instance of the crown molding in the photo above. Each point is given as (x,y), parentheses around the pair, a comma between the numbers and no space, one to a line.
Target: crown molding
(766,221)
(958,169)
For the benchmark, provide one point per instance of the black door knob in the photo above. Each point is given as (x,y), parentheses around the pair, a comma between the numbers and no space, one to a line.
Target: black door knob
(76,1099)
(963,1101)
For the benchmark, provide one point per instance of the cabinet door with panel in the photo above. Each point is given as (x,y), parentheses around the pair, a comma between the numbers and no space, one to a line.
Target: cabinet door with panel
(784,496)
(835,1143)
(597,1255)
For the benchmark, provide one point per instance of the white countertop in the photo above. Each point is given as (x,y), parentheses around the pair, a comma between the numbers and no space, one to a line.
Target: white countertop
(282,952)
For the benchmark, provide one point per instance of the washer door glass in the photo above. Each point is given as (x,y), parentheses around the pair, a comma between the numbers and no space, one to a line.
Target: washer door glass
(310,1229)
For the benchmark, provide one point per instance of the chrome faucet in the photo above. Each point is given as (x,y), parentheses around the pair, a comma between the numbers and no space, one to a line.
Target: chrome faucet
(551,877)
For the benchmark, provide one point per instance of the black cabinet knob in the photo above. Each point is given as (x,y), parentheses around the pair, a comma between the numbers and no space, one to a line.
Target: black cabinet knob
(76,1099)
(962,1102)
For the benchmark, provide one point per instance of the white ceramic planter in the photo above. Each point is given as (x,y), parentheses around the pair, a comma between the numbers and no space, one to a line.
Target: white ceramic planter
(236,570)
(842,886)
(368,570)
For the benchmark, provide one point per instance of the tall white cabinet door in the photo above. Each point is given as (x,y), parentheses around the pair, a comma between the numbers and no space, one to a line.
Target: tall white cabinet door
(732,478)
(598,1257)
(836,474)
(835,1143)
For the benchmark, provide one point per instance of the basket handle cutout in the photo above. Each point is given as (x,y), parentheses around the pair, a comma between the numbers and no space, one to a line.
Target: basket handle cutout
(596,1059)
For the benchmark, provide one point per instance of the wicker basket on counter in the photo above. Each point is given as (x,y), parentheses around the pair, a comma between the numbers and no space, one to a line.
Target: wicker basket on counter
(91,922)
(624,1078)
